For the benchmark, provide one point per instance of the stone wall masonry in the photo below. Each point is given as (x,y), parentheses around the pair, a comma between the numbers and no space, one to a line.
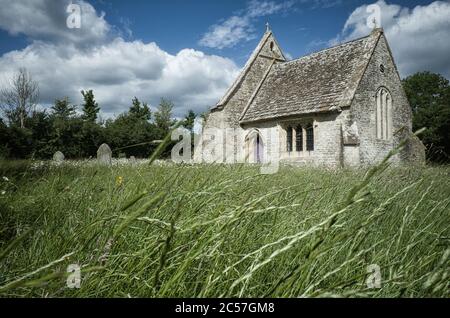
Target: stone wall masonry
(327,139)
(228,116)
(363,108)
(345,137)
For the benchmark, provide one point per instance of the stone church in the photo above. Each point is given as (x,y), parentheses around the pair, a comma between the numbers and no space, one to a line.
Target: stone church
(342,106)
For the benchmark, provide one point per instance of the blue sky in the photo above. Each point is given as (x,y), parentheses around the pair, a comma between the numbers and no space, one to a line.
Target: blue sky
(191,50)
(175,25)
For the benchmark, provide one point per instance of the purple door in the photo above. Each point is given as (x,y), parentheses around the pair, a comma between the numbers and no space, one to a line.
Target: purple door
(259,149)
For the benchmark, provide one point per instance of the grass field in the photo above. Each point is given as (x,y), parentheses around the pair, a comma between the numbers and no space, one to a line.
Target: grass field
(218,231)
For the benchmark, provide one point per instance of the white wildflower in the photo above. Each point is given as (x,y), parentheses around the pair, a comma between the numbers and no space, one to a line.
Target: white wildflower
(6,179)
(3,192)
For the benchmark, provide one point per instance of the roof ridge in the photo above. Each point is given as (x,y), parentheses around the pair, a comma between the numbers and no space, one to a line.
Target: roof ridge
(328,48)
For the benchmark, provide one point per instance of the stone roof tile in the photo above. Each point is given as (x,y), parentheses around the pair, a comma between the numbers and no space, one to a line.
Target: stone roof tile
(320,82)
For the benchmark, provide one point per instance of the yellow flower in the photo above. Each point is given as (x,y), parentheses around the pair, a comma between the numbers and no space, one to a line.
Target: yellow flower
(119,181)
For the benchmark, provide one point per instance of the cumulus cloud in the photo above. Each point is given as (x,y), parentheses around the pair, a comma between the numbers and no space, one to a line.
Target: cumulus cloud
(46,20)
(419,37)
(238,28)
(65,61)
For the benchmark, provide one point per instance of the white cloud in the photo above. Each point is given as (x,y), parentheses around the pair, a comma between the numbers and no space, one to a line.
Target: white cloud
(117,70)
(418,37)
(229,33)
(288,56)
(46,20)
(258,9)
(322,4)
(239,27)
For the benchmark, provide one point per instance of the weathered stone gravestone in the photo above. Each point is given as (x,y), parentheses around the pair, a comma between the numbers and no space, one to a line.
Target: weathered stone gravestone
(104,154)
(133,160)
(58,157)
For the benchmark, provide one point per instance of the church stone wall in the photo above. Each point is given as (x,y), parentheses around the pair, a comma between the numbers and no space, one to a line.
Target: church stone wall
(240,98)
(345,138)
(327,139)
(328,149)
(228,116)
(363,108)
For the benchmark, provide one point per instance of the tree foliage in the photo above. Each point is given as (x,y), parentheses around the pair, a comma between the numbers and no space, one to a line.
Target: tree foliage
(429,97)
(63,109)
(189,120)
(139,110)
(60,128)
(163,117)
(90,106)
(131,133)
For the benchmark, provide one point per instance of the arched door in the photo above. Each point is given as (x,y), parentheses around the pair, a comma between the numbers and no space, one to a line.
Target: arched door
(259,149)
(254,147)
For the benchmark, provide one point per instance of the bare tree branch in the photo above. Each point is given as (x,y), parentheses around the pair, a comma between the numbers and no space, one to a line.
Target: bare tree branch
(19,98)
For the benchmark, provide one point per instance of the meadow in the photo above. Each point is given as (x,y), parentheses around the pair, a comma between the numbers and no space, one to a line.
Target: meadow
(224,231)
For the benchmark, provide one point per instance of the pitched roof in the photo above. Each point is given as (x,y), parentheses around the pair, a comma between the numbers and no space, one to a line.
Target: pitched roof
(246,68)
(320,82)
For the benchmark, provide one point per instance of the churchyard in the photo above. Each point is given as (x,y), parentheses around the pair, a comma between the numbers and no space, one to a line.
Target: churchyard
(145,228)
(286,194)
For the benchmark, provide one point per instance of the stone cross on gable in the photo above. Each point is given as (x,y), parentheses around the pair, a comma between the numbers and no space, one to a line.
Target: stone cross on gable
(267,27)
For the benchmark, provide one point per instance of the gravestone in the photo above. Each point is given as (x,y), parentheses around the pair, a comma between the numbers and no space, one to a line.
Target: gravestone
(104,154)
(58,157)
(133,160)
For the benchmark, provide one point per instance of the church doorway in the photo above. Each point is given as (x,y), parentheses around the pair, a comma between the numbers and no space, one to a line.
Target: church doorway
(254,147)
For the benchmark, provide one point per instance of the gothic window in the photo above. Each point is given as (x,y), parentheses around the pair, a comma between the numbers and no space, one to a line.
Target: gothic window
(271,46)
(383,114)
(289,139)
(299,138)
(309,138)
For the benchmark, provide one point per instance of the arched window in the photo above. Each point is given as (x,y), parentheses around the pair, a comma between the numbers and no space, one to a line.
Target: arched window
(384,114)
(299,138)
(289,139)
(310,138)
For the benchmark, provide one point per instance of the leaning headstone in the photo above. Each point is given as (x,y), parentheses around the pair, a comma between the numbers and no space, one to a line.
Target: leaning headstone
(58,157)
(104,154)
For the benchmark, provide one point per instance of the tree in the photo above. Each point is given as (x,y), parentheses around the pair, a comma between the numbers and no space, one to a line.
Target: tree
(90,138)
(163,117)
(204,117)
(40,126)
(140,111)
(189,120)
(90,106)
(63,109)
(4,140)
(429,96)
(131,132)
(19,99)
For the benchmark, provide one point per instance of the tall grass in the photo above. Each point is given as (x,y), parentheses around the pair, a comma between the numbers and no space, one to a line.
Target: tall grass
(220,231)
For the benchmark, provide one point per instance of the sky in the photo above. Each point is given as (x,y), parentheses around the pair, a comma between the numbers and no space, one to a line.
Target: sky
(190,51)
